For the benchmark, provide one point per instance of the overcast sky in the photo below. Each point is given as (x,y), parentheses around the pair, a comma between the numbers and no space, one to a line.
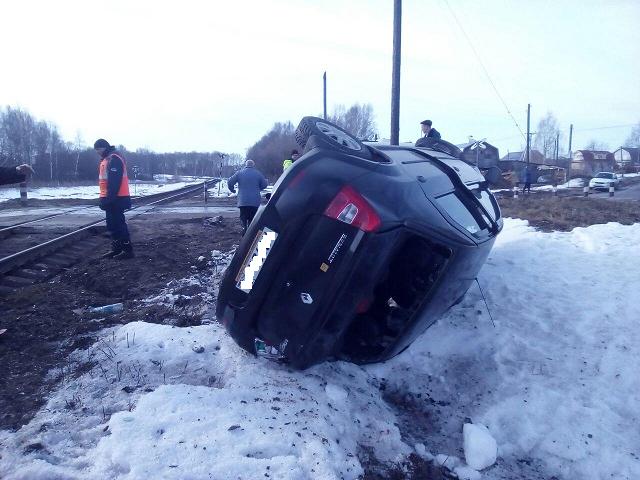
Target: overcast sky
(215,75)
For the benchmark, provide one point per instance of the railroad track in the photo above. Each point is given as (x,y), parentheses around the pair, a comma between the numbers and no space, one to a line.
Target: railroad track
(48,257)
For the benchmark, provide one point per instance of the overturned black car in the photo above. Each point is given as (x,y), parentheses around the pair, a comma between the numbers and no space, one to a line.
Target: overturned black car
(360,248)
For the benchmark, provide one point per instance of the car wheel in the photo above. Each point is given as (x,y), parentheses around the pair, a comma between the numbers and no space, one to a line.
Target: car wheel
(330,135)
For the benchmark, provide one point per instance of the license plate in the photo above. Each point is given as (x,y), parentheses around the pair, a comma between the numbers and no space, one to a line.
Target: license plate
(255,259)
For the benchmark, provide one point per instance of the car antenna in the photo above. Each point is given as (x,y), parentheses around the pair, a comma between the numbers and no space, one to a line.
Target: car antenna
(485,303)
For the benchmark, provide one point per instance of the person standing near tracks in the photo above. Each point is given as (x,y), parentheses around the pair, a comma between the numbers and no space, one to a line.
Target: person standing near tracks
(250,181)
(289,161)
(527,180)
(14,174)
(114,198)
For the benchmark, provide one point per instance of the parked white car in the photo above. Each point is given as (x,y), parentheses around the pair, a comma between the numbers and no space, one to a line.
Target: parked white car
(604,180)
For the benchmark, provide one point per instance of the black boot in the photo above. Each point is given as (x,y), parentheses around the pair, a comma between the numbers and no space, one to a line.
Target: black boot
(116,248)
(127,251)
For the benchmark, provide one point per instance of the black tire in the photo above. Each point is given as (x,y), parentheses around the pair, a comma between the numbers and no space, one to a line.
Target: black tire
(328,135)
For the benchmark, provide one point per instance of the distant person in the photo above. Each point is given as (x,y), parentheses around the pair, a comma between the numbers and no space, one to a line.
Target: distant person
(114,198)
(17,174)
(428,131)
(289,161)
(527,180)
(250,181)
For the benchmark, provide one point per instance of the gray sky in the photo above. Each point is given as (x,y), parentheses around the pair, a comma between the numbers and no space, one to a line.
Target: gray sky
(216,75)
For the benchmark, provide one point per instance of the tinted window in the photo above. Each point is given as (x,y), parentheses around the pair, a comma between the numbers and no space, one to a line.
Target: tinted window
(485,199)
(459,213)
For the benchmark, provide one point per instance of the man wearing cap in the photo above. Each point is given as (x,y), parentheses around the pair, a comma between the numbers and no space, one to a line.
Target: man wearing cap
(250,181)
(289,161)
(114,198)
(428,131)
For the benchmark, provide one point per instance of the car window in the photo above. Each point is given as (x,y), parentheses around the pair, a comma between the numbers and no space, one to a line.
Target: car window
(459,212)
(485,199)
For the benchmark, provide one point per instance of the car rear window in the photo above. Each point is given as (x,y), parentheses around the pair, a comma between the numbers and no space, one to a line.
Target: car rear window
(459,212)
(487,203)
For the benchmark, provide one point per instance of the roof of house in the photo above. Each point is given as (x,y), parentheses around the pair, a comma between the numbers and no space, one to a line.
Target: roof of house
(534,157)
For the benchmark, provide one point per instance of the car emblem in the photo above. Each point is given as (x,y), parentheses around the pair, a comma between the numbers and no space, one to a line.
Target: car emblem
(306,298)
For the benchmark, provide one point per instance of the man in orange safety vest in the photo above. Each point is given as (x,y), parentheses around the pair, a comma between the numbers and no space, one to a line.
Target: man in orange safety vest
(114,198)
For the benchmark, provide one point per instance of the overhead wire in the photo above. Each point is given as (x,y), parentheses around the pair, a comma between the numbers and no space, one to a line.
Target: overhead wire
(484,69)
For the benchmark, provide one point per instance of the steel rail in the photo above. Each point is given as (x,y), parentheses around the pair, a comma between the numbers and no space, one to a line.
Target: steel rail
(145,197)
(15,260)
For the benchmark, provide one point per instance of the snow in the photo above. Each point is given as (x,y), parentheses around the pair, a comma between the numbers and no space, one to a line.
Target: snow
(87,191)
(480,448)
(554,381)
(573,183)
(221,189)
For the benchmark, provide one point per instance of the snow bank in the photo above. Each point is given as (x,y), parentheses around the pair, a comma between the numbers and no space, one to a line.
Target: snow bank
(221,189)
(555,382)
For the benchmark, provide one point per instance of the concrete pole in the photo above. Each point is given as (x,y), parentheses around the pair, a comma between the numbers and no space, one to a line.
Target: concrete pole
(324,94)
(528,133)
(395,76)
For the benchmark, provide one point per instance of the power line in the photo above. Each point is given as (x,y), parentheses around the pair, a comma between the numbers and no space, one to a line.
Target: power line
(484,69)
(604,128)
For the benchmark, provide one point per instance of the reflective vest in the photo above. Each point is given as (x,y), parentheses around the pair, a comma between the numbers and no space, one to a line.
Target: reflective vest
(103,175)
(286,164)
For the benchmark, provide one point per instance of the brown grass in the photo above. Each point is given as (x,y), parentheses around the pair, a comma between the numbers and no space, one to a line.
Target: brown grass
(549,213)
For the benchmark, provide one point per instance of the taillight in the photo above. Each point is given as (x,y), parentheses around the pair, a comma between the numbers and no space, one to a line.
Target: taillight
(348,206)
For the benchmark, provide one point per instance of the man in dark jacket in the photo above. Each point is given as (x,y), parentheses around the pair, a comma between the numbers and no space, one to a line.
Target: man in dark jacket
(250,181)
(428,131)
(114,198)
(14,174)
(526,178)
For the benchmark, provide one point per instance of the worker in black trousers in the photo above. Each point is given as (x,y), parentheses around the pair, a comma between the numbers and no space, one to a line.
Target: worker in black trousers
(114,198)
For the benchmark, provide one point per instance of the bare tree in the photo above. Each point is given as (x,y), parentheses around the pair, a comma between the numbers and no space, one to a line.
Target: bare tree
(78,145)
(357,120)
(270,151)
(633,140)
(596,146)
(547,135)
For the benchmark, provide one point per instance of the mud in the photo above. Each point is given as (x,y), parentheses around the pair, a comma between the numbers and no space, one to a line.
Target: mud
(46,322)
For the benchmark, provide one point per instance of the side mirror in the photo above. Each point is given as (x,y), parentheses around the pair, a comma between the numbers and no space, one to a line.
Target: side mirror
(493,175)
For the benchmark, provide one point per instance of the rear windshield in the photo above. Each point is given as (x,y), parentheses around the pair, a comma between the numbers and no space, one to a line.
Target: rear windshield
(468,214)
(487,202)
(459,212)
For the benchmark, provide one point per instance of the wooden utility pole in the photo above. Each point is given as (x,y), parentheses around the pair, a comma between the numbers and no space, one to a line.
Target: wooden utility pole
(324,94)
(395,77)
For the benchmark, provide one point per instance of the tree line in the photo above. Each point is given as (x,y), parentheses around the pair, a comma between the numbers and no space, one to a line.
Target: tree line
(548,138)
(276,145)
(25,139)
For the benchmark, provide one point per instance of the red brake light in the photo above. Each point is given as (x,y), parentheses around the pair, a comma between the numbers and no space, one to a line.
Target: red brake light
(348,206)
